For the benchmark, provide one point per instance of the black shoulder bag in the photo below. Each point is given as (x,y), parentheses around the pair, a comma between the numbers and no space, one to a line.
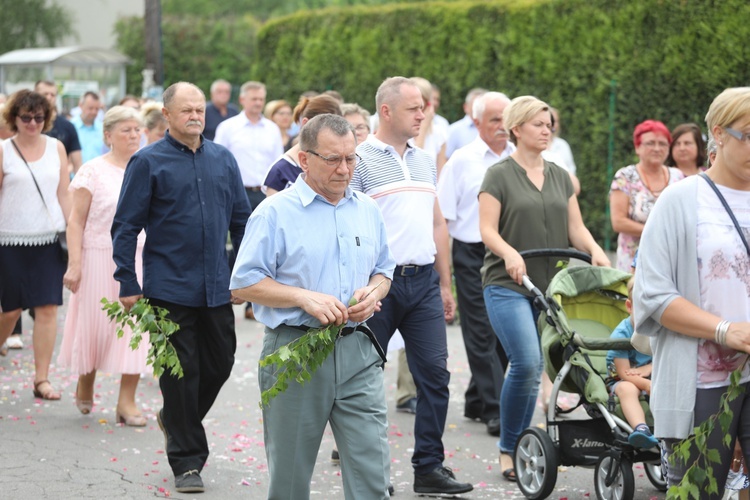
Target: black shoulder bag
(62,238)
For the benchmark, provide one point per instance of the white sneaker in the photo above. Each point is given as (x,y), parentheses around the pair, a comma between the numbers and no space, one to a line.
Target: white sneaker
(14,342)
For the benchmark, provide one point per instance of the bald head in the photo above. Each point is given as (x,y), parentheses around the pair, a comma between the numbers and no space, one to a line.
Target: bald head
(185,112)
(183,88)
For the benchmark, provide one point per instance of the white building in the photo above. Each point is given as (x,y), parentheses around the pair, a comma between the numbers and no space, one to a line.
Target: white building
(94,20)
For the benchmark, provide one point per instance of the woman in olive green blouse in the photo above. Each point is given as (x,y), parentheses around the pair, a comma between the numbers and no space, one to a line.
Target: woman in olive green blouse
(525,203)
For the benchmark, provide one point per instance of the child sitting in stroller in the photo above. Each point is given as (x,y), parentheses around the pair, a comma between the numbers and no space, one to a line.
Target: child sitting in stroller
(630,376)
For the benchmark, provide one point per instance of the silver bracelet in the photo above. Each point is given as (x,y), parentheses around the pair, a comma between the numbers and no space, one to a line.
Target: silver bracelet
(720,334)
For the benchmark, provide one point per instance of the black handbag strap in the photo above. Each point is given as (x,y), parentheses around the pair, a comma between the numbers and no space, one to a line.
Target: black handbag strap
(32,174)
(729,210)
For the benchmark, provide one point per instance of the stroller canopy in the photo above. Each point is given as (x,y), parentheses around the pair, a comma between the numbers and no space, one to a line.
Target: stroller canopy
(592,301)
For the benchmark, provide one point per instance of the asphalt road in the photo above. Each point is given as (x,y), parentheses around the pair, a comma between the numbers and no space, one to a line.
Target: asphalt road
(49,450)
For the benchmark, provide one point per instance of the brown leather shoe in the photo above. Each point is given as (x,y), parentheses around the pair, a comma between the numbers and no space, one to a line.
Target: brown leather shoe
(249,314)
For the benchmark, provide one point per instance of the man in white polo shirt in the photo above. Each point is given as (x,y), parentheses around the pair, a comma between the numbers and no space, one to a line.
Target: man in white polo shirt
(401,178)
(458,189)
(254,140)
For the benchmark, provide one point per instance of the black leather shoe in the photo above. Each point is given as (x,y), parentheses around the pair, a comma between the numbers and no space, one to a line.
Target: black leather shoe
(189,482)
(440,481)
(409,406)
(391,489)
(493,427)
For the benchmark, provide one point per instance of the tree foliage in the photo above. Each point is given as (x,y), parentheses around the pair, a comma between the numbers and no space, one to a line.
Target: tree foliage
(32,23)
(195,49)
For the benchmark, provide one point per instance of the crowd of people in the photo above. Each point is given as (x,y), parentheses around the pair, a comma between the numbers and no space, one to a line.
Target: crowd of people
(323,203)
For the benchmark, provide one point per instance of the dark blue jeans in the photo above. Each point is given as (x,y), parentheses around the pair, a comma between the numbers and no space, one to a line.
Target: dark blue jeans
(415,308)
(514,320)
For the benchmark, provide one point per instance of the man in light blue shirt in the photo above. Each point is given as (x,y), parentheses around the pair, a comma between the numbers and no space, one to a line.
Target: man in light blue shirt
(89,129)
(309,250)
(463,131)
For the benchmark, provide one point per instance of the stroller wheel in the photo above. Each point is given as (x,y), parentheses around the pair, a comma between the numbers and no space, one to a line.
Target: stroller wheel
(613,478)
(536,463)
(655,475)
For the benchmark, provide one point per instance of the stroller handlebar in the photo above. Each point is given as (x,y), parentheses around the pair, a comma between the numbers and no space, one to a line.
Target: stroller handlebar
(602,344)
(569,253)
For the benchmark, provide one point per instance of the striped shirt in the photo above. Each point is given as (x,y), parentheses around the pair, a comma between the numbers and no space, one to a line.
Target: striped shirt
(404,188)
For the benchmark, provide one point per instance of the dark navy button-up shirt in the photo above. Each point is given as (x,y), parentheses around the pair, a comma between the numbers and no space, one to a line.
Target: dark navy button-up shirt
(214,118)
(187,203)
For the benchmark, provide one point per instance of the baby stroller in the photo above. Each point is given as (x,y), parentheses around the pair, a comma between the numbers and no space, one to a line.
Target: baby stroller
(582,306)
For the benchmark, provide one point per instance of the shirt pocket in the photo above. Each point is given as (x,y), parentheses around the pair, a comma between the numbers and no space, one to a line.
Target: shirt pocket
(366,256)
(221,189)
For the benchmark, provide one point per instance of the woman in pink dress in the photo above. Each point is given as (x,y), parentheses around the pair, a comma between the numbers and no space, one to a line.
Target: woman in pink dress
(89,340)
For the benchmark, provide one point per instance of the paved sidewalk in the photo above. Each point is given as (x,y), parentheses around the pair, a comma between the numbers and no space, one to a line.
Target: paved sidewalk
(50,451)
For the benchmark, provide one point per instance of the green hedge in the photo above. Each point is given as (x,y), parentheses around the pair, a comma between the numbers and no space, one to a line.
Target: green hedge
(670,58)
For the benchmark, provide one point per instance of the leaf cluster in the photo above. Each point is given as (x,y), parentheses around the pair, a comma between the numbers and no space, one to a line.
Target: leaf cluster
(298,360)
(695,447)
(143,318)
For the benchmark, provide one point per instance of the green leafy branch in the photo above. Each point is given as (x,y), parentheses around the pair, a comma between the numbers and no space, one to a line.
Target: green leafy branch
(701,469)
(299,359)
(143,318)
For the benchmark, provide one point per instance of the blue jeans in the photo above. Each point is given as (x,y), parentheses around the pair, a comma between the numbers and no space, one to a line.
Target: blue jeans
(514,320)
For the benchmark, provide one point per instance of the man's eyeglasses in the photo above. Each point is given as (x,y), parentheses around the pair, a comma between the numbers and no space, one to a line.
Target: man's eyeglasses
(335,161)
(738,135)
(656,144)
(28,118)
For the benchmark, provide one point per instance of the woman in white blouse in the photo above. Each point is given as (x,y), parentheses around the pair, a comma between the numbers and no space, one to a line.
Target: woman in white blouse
(34,206)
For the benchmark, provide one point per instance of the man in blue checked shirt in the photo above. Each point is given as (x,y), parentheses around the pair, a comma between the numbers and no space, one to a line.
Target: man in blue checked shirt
(186,193)
(307,251)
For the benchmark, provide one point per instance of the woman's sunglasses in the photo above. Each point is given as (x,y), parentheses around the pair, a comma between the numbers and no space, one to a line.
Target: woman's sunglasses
(28,118)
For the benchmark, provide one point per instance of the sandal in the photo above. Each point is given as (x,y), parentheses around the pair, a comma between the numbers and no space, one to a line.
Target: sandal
(509,473)
(49,395)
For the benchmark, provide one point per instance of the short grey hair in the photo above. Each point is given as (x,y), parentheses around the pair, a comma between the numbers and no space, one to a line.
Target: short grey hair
(169,94)
(218,82)
(252,85)
(474,93)
(351,108)
(480,103)
(118,114)
(308,135)
(390,90)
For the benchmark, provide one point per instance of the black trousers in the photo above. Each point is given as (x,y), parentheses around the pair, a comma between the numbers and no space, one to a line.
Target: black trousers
(414,307)
(487,359)
(205,344)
